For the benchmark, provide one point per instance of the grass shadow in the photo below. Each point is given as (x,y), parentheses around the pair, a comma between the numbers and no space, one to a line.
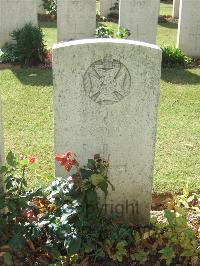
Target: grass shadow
(180,76)
(48,24)
(34,76)
(169,25)
(169,2)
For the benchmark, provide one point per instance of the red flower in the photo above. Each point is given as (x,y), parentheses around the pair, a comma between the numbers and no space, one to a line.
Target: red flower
(67,160)
(32,159)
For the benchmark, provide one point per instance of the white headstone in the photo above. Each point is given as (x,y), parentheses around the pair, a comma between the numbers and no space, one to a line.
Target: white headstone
(105,101)
(76,19)
(175,12)
(105,6)
(140,17)
(189,27)
(15,14)
(40,7)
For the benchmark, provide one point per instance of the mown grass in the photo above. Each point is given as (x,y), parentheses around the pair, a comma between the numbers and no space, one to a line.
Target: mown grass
(166,8)
(28,115)
(28,124)
(50,32)
(178,140)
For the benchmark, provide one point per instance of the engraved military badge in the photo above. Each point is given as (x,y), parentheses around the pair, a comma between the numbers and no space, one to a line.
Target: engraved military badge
(107,81)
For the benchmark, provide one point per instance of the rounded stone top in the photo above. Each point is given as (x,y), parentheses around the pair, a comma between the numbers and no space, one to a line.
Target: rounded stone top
(104,40)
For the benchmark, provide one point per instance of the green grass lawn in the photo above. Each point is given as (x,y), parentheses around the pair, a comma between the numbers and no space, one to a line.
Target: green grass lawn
(50,33)
(166,8)
(167,34)
(28,115)
(28,124)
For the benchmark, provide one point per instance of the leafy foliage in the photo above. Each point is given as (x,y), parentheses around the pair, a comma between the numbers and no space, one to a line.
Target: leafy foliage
(65,223)
(107,32)
(174,57)
(28,47)
(14,203)
(50,6)
(104,32)
(114,12)
(8,54)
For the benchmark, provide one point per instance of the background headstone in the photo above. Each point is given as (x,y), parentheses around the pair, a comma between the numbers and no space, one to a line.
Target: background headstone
(105,101)
(40,7)
(15,14)
(105,6)
(140,17)
(76,19)
(175,12)
(189,27)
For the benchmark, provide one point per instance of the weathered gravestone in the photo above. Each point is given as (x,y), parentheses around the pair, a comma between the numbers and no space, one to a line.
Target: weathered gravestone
(106,97)
(140,17)
(176,5)
(105,6)
(15,14)
(76,19)
(189,27)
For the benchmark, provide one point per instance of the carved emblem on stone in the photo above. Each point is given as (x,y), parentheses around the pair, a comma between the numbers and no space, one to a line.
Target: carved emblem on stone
(107,81)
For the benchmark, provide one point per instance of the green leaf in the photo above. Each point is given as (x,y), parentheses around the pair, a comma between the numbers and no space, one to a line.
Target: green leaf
(104,187)
(24,162)
(8,259)
(167,254)
(3,169)
(11,159)
(9,184)
(34,166)
(17,241)
(85,173)
(170,216)
(91,196)
(121,245)
(74,246)
(91,163)
(140,256)
(137,237)
(96,179)
(189,234)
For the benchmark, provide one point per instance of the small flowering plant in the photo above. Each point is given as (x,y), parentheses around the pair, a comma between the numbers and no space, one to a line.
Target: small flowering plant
(14,195)
(76,200)
(66,212)
(64,223)
(93,175)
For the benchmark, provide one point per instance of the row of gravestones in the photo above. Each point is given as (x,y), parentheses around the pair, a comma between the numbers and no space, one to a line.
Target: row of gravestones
(106,95)
(77,19)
